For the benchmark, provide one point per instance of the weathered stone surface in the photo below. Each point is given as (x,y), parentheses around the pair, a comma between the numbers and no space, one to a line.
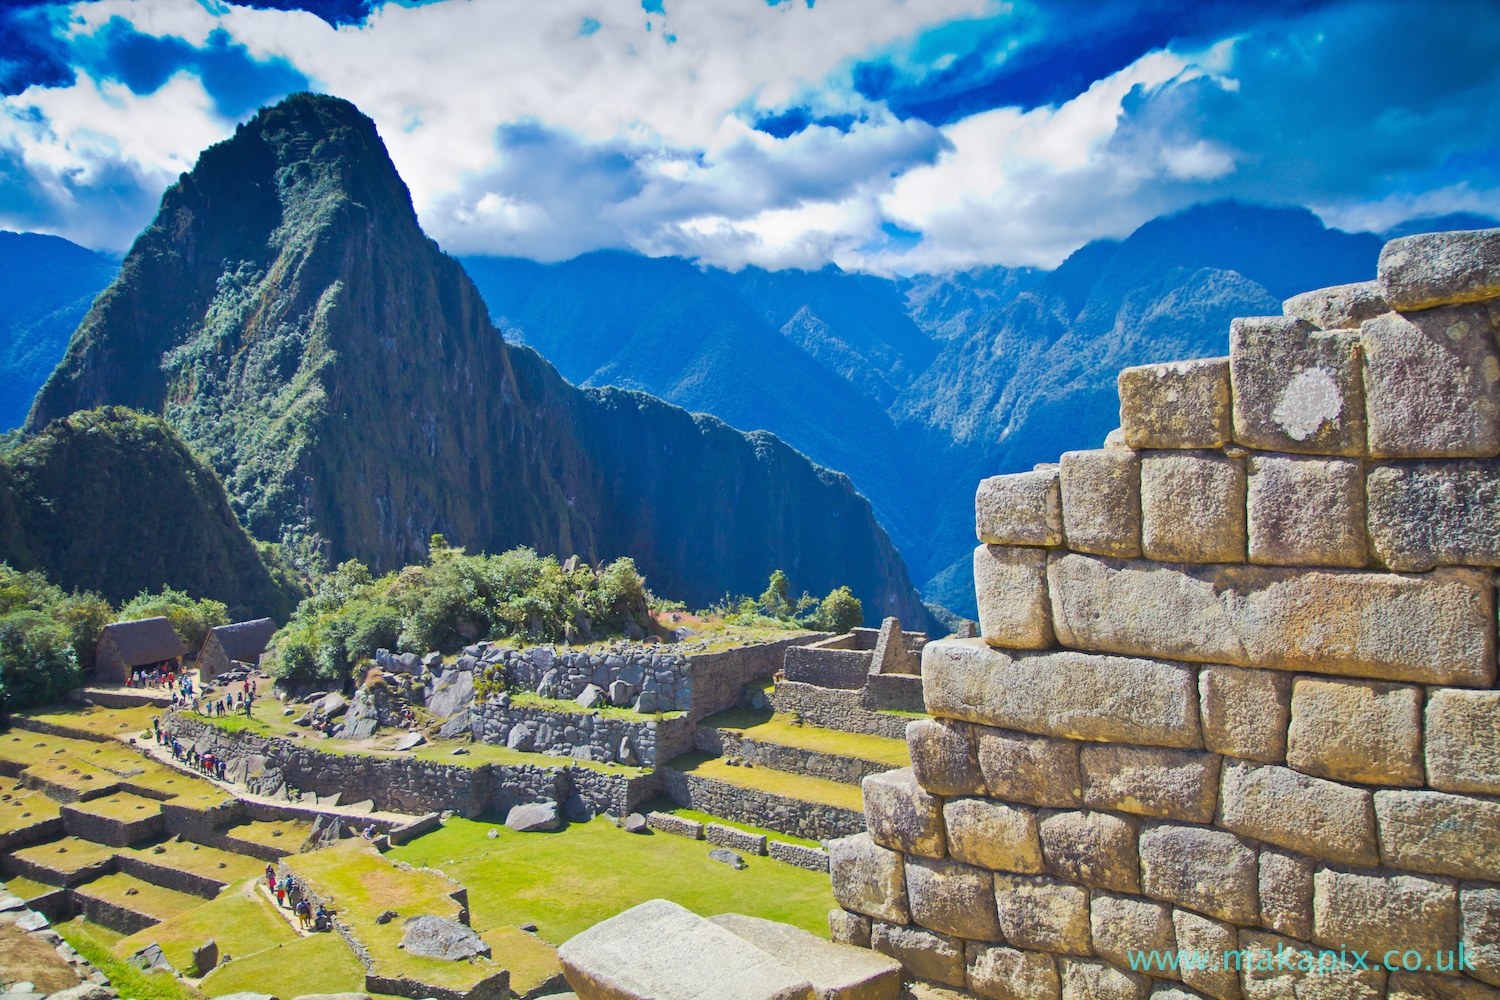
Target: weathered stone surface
(1095,848)
(994,835)
(1380,911)
(1036,770)
(1435,986)
(206,957)
(1173,991)
(1339,307)
(1091,979)
(1432,384)
(1426,514)
(1479,921)
(849,928)
(1180,404)
(953,898)
(1436,628)
(725,856)
(1070,694)
(943,757)
(1201,868)
(1419,272)
(431,936)
(1462,740)
(1192,507)
(1296,388)
(1245,712)
(837,972)
(1286,892)
(925,954)
(1439,833)
(1001,973)
(1042,912)
(662,951)
(868,878)
(1316,817)
(1198,935)
(1306,511)
(1023,508)
(902,815)
(1362,731)
(1101,501)
(679,825)
(1278,968)
(1150,781)
(532,817)
(1125,925)
(1010,583)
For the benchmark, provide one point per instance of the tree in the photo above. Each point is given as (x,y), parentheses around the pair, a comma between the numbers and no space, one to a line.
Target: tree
(191,619)
(839,612)
(37,665)
(774,602)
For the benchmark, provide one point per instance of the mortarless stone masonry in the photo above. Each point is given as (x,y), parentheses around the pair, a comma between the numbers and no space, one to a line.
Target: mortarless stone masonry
(1250,711)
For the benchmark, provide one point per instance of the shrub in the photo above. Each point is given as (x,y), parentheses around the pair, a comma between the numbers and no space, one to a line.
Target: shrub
(191,619)
(37,663)
(82,615)
(839,612)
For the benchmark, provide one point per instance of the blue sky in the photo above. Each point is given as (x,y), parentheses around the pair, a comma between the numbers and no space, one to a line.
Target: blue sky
(877,134)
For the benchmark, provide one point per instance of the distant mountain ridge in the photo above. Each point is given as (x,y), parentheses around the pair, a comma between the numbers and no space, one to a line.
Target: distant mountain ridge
(286,316)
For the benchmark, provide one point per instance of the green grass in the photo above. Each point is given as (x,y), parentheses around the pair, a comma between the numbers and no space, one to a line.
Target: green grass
(567,706)
(25,808)
(903,713)
(152,900)
(210,862)
(95,943)
(240,921)
(763,779)
(320,963)
(287,834)
(122,807)
(763,727)
(569,880)
(27,889)
(668,806)
(67,854)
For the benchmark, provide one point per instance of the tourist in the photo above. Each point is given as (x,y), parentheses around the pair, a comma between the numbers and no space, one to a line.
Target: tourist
(281,896)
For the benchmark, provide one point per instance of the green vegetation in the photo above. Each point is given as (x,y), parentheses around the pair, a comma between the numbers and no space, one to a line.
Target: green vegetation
(141,896)
(587,872)
(46,638)
(240,921)
(191,619)
(668,806)
(450,600)
(764,727)
(839,612)
(763,779)
(94,943)
(321,963)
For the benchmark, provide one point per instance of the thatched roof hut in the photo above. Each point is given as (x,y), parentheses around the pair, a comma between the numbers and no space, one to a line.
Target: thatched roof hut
(242,641)
(124,646)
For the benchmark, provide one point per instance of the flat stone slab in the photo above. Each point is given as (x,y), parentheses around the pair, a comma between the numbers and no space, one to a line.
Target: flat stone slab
(431,936)
(836,971)
(533,817)
(661,951)
(410,741)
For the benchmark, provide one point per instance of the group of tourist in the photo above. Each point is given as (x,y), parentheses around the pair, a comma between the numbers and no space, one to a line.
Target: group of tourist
(287,890)
(227,705)
(160,675)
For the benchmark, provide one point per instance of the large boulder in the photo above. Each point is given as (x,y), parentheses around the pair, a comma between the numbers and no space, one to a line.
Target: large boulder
(837,972)
(150,959)
(432,936)
(454,692)
(533,817)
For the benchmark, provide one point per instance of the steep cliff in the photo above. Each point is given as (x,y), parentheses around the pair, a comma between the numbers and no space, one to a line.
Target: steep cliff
(287,316)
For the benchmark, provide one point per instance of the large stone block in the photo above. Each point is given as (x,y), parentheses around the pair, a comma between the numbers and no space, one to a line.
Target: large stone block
(1278,968)
(1044,913)
(868,878)
(1306,511)
(1192,507)
(1479,921)
(1286,892)
(1317,817)
(849,928)
(1432,384)
(1101,501)
(1426,514)
(1435,986)
(1036,770)
(1382,911)
(1201,868)
(1430,269)
(1095,848)
(994,835)
(1150,781)
(1340,307)
(952,898)
(1010,583)
(666,952)
(1436,628)
(1179,404)
(1091,979)
(836,973)
(1245,712)
(1001,973)
(902,815)
(1023,508)
(1076,695)
(1126,927)
(943,757)
(1360,731)
(1462,740)
(926,954)
(1296,388)
(1439,833)
(1204,944)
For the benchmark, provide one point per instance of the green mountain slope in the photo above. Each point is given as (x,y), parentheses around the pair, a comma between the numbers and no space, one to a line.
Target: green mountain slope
(288,318)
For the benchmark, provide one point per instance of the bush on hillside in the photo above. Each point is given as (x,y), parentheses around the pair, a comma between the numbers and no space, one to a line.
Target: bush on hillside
(839,612)
(191,618)
(47,637)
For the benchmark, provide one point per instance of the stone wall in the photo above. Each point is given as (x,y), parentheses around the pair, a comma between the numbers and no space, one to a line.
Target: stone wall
(836,708)
(1235,699)
(585,735)
(779,757)
(797,817)
(718,678)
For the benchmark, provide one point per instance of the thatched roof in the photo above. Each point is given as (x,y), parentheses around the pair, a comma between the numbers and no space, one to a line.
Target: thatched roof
(244,640)
(149,640)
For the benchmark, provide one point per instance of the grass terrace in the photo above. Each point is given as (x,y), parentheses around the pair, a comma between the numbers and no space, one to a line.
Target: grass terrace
(763,779)
(95,943)
(668,806)
(25,888)
(121,806)
(22,808)
(286,834)
(195,859)
(152,900)
(241,921)
(571,879)
(321,963)
(66,856)
(116,723)
(765,727)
